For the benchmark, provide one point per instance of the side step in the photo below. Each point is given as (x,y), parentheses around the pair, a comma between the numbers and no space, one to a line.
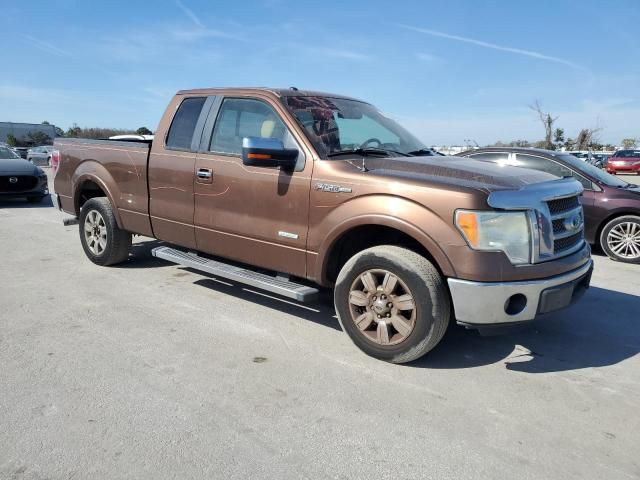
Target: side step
(286,288)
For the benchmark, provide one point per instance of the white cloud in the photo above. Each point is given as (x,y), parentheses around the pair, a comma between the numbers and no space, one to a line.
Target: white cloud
(493,46)
(337,53)
(45,46)
(427,57)
(189,13)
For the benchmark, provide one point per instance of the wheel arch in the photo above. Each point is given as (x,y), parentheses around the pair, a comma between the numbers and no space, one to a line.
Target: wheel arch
(89,182)
(360,233)
(611,217)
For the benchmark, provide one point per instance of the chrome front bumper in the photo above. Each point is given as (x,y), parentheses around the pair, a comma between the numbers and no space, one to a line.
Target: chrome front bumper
(495,303)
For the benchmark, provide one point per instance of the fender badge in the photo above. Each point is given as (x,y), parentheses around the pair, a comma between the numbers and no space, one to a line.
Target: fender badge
(328,187)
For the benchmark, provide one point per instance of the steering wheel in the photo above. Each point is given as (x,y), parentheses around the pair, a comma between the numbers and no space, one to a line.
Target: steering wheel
(366,143)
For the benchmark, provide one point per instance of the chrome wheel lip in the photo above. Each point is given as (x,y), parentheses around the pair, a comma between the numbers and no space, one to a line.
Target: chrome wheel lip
(623,240)
(382,307)
(95,232)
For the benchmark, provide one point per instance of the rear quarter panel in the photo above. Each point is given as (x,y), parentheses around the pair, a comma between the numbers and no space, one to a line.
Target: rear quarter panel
(119,168)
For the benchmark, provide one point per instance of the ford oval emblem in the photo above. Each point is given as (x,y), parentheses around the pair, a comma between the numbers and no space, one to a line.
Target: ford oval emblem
(13,180)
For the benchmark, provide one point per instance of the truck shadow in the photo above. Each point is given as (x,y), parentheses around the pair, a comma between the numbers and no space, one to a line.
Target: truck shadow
(20,202)
(601,330)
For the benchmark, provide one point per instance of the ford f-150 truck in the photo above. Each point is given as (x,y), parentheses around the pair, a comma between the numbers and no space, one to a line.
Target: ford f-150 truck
(289,191)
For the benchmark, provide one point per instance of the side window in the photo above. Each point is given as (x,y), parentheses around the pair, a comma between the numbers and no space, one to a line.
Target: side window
(184,123)
(245,117)
(543,165)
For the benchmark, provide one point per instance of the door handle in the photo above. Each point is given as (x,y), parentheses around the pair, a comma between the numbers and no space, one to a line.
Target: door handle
(204,173)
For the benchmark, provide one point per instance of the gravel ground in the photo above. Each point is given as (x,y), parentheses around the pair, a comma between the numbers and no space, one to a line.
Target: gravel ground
(153,371)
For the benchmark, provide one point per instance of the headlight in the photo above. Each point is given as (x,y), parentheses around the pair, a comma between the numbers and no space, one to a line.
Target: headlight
(507,232)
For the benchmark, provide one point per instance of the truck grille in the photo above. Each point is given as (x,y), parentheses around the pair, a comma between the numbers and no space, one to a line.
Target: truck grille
(567,220)
(563,205)
(22,183)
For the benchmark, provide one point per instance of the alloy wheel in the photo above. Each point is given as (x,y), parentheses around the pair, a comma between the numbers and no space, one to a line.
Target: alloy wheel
(95,232)
(624,240)
(382,307)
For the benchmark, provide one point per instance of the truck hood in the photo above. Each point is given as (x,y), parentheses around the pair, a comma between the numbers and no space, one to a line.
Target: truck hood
(454,171)
(17,166)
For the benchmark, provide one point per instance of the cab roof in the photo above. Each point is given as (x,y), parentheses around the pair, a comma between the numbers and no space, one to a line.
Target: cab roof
(279,92)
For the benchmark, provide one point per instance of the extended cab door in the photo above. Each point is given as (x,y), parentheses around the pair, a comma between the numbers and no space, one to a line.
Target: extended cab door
(171,169)
(257,215)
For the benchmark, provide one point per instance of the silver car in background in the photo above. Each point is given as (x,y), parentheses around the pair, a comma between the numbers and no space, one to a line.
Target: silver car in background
(40,155)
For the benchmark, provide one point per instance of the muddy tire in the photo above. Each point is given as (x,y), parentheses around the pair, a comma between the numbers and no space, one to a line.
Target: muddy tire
(620,239)
(103,241)
(393,303)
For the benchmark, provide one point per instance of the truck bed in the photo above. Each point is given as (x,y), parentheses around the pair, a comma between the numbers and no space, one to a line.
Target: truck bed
(117,167)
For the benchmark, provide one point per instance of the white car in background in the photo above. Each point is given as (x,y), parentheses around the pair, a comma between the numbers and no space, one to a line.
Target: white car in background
(40,155)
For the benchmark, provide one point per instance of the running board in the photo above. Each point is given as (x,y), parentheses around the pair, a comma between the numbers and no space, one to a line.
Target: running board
(286,288)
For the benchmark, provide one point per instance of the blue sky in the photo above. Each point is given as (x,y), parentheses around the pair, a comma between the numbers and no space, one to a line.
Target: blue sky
(448,71)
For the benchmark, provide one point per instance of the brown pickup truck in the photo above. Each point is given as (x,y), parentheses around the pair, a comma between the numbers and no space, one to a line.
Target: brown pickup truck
(288,190)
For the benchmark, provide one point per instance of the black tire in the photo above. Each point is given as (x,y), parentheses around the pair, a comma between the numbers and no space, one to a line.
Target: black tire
(37,199)
(118,241)
(606,239)
(426,285)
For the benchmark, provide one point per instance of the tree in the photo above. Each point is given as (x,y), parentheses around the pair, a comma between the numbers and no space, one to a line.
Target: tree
(586,138)
(558,136)
(547,121)
(627,143)
(45,123)
(144,131)
(74,132)
(38,138)
(59,132)
(12,141)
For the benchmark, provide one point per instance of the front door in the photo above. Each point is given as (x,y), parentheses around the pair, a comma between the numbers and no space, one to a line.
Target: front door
(256,215)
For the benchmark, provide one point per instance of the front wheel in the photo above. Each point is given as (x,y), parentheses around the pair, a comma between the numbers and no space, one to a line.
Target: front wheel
(620,239)
(392,302)
(103,241)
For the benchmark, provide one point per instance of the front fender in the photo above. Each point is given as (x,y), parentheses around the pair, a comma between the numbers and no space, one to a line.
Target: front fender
(401,214)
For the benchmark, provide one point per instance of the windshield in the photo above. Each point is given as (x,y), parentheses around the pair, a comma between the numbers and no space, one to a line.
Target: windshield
(336,125)
(593,171)
(6,153)
(628,154)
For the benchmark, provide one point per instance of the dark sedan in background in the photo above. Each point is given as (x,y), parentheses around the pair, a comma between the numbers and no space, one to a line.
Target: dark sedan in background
(20,178)
(611,205)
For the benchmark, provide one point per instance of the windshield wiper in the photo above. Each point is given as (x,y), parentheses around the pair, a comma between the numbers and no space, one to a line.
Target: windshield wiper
(367,151)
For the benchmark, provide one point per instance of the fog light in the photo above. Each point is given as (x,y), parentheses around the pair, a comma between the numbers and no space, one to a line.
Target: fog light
(515,304)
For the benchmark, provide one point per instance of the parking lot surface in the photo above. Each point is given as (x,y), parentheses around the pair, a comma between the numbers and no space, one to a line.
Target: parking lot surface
(150,370)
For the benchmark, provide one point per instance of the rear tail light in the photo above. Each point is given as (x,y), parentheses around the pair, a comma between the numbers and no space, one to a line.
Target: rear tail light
(55,161)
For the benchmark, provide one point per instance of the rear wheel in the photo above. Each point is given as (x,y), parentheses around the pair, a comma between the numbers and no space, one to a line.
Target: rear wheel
(620,239)
(392,303)
(103,241)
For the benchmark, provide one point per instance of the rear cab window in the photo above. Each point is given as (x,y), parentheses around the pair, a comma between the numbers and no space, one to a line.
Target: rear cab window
(183,125)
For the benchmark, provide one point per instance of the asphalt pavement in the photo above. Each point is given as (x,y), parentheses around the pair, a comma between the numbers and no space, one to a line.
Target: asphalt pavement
(150,370)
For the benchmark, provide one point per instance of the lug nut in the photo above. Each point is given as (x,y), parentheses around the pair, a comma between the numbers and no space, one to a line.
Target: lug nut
(389,304)
(375,298)
(388,315)
(379,316)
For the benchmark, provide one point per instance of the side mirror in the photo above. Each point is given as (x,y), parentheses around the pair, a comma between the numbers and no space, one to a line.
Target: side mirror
(267,152)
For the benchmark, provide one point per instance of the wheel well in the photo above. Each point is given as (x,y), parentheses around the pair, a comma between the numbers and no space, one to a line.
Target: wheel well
(367,236)
(612,217)
(88,190)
